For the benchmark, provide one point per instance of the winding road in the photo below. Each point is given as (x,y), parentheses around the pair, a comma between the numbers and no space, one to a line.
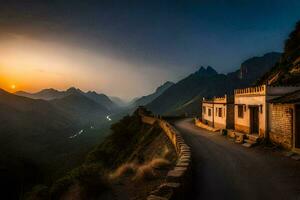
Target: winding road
(225,170)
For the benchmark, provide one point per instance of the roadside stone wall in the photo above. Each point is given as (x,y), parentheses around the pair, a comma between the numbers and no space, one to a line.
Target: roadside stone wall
(176,180)
(281,128)
(148,120)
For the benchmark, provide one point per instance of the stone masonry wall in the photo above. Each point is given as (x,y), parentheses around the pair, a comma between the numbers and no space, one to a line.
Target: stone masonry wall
(281,128)
(176,181)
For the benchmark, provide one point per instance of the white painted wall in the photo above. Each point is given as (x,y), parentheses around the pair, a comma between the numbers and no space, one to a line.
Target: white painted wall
(250,100)
(220,120)
(206,116)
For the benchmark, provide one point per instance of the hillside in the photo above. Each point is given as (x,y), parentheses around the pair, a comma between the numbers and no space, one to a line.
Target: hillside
(36,143)
(103,100)
(118,169)
(252,69)
(287,69)
(147,99)
(81,108)
(204,82)
(33,132)
(46,94)
(185,95)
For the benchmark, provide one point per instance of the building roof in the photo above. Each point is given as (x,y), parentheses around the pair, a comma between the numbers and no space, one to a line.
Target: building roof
(293,97)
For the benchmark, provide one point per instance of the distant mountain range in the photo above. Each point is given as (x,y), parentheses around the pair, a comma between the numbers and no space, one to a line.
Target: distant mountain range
(50,94)
(185,95)
(81,108)
(30,126)
(144,100)
(35,138)
(119,102)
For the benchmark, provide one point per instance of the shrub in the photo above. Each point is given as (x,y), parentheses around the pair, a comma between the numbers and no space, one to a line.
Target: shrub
(159,163)
(126,169)
(144,172)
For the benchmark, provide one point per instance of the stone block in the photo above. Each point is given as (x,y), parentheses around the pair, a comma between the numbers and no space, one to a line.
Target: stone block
(154,197)
(182,164)
(185,160)
(180,168)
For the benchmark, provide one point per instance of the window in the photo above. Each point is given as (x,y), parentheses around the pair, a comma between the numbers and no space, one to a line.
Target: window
(216,111)
(209,112)
(204,110)
(220,112)
(240,111)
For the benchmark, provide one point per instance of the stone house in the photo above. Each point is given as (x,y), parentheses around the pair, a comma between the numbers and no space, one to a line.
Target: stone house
(252,110)
(218,112)
(285,121)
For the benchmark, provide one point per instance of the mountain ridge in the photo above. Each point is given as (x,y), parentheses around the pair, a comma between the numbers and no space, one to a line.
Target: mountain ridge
(148,98)
(51,94)
(207,82)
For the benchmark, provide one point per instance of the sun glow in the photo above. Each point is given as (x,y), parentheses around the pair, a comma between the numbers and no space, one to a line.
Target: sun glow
(33,64)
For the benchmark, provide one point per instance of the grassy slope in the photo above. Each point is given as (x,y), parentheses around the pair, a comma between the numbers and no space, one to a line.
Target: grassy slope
(131,141)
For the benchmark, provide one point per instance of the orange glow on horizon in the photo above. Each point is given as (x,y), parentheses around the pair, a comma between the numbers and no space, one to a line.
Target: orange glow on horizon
(32,65)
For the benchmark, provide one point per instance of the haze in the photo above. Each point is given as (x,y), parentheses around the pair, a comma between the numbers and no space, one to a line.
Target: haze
(128,49)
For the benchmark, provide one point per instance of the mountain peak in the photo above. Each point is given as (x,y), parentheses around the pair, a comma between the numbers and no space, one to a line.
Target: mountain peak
(92,93)
(49,89)
(208,71)
(211,70)
(73,90)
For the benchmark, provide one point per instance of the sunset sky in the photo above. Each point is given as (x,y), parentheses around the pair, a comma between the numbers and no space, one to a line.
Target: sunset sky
(127,49)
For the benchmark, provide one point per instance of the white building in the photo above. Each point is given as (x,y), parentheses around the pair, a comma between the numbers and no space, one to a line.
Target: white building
(252,110)
(218,112)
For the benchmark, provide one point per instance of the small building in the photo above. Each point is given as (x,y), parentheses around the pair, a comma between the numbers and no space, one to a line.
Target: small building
(285,121)
(252,109)
(218,112)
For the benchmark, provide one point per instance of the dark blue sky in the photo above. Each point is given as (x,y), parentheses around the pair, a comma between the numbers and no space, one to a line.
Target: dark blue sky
(178,36)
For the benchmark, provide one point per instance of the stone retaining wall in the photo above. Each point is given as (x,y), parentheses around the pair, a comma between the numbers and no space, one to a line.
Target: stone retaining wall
(176,182)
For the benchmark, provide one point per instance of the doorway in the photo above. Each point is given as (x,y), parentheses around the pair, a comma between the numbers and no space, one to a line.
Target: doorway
(254,119)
